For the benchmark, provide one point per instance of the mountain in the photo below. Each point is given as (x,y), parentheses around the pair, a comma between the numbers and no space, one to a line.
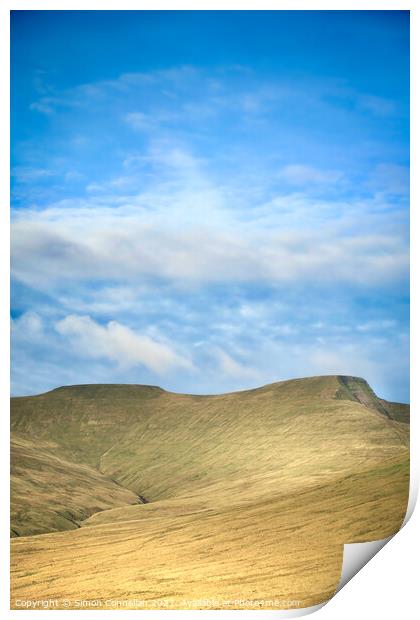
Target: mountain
(202,497)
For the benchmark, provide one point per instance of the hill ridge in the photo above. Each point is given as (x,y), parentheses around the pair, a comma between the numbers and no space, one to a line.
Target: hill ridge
(273,480)
(157,444)
(92,386)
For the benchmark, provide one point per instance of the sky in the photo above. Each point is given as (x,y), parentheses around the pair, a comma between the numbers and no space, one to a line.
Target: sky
(209,201)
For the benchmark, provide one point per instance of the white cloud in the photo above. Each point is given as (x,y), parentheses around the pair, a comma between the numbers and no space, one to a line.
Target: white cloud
(384,324)
(390,179)
(350,359)
(26,174)
(43,106)
(186,229)
(140,121)
(234,369)
(120,344)
(28,325)
(190,196)
(131,243)
(298,174)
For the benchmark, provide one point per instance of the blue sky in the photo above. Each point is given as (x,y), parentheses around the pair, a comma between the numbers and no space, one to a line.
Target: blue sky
(209,201)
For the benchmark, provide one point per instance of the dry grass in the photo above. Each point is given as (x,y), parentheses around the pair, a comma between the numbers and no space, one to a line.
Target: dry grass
(51,494)
(252,494)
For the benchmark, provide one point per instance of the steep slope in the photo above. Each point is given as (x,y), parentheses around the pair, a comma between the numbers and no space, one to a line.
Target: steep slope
(49,493)
(397,411)
(160,444)
(247,492)
(295,432)
(358,390)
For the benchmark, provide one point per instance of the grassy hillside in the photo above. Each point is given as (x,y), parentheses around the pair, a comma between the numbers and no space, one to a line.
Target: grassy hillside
(250,494)
(83,420)
(49,493)
(397,411)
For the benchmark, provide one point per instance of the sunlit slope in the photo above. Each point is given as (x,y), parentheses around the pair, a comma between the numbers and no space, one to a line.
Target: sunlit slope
(191,553)
(49,493)
(250,494)
(83,420)
(160,444)
(267,440)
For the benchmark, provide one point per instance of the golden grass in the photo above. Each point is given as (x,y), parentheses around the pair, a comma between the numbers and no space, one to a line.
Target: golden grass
(51,494)
(252,494)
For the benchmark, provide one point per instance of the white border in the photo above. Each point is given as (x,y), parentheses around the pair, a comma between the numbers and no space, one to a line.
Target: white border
(387,585)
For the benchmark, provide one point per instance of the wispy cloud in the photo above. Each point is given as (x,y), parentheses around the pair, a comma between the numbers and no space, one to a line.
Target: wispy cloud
(26,174)
(377,105)
(80,244)
(210,229)
(298,174)
(140,121)
(234,369)
(389,180)
(120,344)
